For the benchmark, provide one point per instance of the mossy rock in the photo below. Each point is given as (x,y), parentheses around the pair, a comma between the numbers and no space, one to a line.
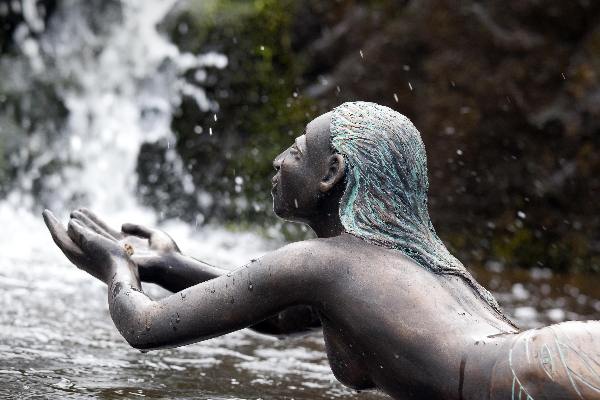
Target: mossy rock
(228,150)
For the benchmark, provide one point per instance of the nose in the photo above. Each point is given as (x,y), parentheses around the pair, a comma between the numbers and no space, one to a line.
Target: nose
(278,160)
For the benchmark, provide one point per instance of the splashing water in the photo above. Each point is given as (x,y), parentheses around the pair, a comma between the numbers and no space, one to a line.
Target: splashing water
(121,87)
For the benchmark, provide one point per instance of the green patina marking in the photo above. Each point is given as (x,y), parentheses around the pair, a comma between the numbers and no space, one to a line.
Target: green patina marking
(516,382)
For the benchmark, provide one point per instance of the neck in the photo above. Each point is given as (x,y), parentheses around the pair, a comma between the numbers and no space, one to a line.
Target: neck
(326,222)
(327,227)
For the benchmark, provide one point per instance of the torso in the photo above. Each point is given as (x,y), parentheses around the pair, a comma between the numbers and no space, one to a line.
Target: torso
(390,323)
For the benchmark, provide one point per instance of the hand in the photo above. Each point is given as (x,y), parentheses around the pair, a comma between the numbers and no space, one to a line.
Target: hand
(161,250)
(151,248)
(87,249)
(158,241)
(67,246)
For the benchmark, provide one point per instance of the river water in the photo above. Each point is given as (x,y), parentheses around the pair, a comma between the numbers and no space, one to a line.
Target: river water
(56,337)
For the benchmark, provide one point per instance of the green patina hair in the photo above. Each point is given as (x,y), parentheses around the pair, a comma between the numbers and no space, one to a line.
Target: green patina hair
(385,200)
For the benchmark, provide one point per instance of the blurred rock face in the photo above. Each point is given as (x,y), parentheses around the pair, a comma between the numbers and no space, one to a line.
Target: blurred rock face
(507,98)
(505,94)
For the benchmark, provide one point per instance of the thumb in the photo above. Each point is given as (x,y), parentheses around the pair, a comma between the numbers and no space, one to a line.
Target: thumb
(137,230)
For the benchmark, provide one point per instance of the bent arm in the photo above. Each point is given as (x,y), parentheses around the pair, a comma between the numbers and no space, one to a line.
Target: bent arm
(230,302)
(177,272)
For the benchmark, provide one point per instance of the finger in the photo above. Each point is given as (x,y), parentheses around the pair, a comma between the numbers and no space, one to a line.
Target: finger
(60,236)
(78,233)
(87,221)
(137,230)
(99,222)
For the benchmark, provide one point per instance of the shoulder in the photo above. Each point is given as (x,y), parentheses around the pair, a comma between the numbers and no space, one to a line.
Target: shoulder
(296,272)
(309,252)
(305,258)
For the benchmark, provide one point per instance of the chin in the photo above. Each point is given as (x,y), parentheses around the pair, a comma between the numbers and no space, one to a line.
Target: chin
(277,209)
(281,212)
(284,212)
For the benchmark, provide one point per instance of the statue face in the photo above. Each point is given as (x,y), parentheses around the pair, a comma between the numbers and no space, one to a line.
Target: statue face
(300,170)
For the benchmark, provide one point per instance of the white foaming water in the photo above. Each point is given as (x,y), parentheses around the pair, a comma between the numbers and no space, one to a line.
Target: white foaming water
(122,85)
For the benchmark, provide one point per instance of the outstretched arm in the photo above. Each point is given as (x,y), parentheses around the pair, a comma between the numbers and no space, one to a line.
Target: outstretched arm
(230,302)
(176,272)
(160,261)
(233,301)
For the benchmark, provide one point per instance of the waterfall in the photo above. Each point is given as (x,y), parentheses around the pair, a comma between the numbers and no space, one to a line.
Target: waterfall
(120,80)
(121,86)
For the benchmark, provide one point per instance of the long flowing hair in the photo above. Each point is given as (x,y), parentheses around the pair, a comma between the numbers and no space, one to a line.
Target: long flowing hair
(385,200)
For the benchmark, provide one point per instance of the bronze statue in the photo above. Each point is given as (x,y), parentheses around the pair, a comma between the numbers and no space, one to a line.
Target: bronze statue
(399,313)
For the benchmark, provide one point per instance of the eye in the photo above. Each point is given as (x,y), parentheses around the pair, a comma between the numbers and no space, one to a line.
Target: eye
(294,151)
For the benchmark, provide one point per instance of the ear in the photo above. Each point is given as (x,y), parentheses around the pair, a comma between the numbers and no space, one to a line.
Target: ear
(336,169)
